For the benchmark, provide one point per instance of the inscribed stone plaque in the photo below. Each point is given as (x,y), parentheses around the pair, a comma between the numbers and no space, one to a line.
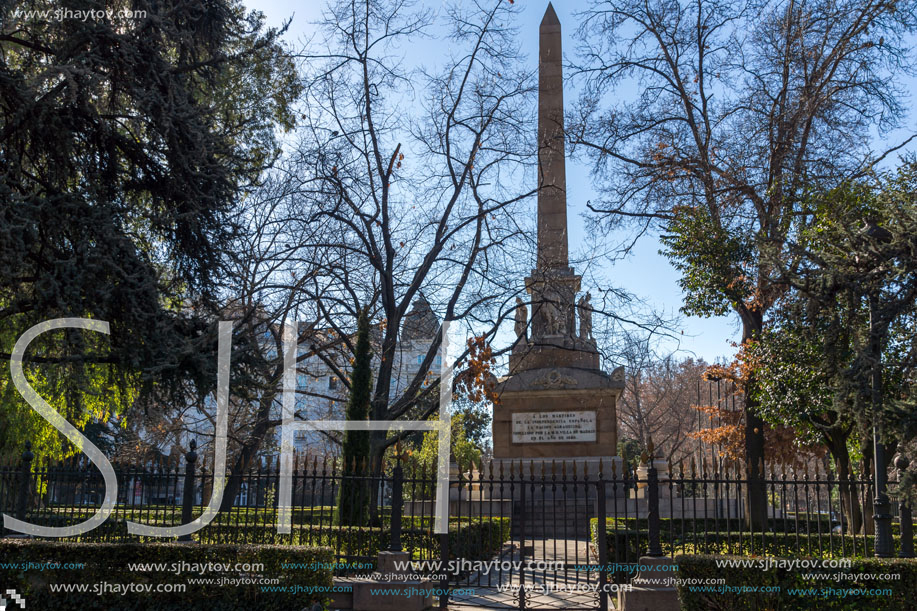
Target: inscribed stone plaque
(553,427)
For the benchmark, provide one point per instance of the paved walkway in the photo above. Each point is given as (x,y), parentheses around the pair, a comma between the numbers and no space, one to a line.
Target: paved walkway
(566,588)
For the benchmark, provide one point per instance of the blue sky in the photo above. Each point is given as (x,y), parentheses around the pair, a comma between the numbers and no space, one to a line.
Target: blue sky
(645,273)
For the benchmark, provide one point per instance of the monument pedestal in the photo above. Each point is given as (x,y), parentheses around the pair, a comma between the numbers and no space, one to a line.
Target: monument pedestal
(564,468)
(559,412)
(558,423)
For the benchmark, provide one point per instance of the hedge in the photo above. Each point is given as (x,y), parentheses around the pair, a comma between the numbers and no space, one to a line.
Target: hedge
(475,538)
(627,540)
(170,515)
(842,581)
(814,524)
(107,563)
(479,540)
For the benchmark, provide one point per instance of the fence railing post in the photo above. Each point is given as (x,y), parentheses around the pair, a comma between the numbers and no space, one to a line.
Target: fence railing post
(187,497)
(25,475)
(522,534)
(397,500)
(904,512)
(652,494)
(444,570)
(601,534)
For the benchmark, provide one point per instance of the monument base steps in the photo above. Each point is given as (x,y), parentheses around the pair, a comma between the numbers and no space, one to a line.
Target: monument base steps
(404,596)
(653,588)
(401,595)
(649,599)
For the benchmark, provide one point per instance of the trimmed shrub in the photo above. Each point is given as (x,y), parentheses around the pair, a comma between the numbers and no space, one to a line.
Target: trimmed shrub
(843,589)
(107,563)
(628,539)
(478,540)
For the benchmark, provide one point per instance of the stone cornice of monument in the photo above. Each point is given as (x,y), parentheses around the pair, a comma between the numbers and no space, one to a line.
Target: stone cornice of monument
(553,284)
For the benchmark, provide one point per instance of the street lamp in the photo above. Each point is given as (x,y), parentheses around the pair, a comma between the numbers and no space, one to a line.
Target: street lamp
(882,518)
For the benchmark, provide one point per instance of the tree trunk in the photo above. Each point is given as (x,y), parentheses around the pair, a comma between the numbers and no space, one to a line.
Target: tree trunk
(237,473)
(250,449)
(756,496)
(850,502)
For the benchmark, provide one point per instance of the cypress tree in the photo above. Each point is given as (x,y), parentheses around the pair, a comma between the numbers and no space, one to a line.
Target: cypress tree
(353,495)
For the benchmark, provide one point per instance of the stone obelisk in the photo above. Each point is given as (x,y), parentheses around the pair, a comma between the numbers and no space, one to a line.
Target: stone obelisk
(552,178)
(556,404)
(553,285)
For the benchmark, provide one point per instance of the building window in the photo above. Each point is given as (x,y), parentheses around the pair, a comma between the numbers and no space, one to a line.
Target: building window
(332,383)
(419,359)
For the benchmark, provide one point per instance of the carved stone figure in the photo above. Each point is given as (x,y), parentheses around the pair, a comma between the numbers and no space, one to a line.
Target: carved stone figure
(553,318)
(585,316)
(522,316)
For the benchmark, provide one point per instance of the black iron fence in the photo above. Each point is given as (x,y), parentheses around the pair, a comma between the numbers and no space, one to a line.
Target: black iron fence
(620,514)
(171,493)
(703,509)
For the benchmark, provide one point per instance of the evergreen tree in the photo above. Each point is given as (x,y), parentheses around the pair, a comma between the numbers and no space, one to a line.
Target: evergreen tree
(127,142)
(847,314)
(353,496)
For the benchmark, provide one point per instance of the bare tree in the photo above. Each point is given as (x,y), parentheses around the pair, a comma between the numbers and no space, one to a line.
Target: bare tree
(739,108)
(264,287)
(404,182)
(657,399)
(407,180)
